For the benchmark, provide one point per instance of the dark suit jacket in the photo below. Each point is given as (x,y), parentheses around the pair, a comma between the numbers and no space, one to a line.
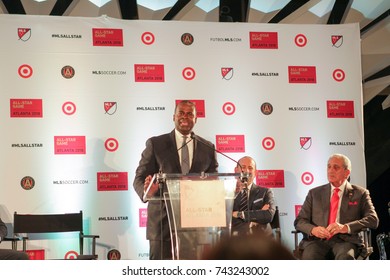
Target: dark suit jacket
(161,153)
(3,230)
(258,197)
(356,210)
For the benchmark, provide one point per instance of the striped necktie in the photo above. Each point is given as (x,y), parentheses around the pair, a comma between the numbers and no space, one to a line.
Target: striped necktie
(185,157)
(244,200)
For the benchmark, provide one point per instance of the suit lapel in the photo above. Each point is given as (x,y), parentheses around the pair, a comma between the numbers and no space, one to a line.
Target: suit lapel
(325,200)
(344,202)
(174,152)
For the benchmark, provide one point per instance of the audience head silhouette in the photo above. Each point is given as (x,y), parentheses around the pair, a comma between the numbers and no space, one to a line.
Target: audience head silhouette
(251,247)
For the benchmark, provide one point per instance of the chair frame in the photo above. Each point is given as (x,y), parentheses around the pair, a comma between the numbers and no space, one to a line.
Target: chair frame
(275,225)
(364,252)
(50,223)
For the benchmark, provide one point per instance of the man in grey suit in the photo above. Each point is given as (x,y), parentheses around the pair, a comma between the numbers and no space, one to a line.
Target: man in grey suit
(354,211)
(7,254)
(163,154)
(260,209)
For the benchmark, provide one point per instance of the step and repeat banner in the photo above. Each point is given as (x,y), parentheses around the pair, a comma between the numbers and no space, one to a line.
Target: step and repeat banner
(80,96)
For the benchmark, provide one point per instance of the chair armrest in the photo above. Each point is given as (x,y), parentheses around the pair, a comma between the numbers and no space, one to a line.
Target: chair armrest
(89,236)
(15,240)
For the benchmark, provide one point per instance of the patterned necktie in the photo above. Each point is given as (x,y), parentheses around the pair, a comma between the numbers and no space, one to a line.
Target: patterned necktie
(244,200)
(185,157)
(334,206)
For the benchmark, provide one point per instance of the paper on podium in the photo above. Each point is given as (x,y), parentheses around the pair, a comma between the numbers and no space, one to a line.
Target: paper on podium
(202,204)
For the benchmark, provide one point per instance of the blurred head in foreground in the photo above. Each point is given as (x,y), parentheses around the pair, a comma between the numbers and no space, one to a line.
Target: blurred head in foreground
(251,247)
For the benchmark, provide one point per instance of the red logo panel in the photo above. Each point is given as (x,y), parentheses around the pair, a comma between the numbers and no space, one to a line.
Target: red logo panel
(152,73)
(112,181)
(38,254)
(263,40)
(297,209)
(270,178)
(302,74)
(143,217)
(69,145)
(26,108)
(340,109)
(230,143)
(107,37)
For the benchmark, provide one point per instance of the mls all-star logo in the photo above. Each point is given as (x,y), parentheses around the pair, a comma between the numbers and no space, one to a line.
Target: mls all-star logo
(24,34)
(337,40)
(110,107)
(305,142)
(227,73)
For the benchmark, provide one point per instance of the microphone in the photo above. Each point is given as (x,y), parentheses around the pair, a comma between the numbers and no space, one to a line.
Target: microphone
(244,176)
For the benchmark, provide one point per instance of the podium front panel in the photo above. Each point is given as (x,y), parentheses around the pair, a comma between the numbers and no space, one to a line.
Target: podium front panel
(199,212)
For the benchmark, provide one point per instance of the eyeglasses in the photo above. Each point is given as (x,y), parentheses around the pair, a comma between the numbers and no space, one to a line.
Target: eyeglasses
(189,115)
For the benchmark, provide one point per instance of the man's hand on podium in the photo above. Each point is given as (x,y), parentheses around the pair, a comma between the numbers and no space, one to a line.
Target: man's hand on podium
(153,189)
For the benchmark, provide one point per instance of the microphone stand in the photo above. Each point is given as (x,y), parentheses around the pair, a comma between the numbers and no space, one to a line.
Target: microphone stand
(161,180)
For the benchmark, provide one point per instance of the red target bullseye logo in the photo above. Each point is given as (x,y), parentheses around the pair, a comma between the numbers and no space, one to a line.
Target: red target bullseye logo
(111,144)
(268,143)
(188,73)
(300,40)
(25,71)
(69,108)
(338,75)
(71,255)
(228,108)
(307,178)
(147,38)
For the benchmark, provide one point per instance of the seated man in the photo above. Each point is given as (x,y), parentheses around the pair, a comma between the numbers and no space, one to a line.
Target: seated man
(254,206)
(333,214)
(7,254)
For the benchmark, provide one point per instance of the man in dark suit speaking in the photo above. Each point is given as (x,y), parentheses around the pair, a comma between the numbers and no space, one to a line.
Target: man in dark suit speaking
(332,215)
(165,153)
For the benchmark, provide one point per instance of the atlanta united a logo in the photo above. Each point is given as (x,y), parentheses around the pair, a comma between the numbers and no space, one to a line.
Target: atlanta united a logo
(27,182)
(113,254)
(67,72)
(266,108)
(187,39)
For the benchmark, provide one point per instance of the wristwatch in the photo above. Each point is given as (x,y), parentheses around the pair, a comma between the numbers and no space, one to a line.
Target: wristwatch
(239,214)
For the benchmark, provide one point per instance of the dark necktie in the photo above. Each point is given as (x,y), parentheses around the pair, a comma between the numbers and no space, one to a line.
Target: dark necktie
(244,200)
(185,157)
(334,206)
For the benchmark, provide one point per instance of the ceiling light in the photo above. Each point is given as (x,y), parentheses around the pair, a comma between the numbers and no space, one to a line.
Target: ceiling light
(99,3)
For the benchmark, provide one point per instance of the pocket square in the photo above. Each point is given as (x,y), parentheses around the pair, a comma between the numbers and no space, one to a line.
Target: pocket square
(258,200)
(353,203)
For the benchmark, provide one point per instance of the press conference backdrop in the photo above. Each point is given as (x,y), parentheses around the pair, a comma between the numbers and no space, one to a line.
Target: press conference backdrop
(80,96)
